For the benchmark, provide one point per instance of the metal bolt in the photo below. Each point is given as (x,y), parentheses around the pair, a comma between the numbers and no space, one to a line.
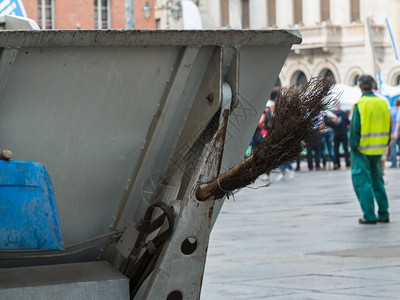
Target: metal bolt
(210,97)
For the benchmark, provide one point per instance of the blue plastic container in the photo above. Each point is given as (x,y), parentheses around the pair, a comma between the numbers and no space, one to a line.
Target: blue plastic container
(28,212)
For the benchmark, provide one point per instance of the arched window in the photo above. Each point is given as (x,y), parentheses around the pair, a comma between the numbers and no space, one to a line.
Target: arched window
(397,82)
(355,79)
(102,14)
(299,79)
(327,73)
(46,14)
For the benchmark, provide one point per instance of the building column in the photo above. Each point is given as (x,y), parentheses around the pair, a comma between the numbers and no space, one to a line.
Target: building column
(378,10)
(395,22)
(210,11)
(311,12)
(258,14)
(284,13)
(340,11)
(235,15)
(369,65)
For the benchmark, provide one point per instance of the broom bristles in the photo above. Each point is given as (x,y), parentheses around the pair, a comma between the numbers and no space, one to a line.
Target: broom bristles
(298,113)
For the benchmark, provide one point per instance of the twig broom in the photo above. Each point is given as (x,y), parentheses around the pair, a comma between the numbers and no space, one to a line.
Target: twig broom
(298,113)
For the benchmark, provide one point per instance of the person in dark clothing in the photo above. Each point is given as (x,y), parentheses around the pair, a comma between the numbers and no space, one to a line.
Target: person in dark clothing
(257,138)
(340,136)
(266,118)
(327,138)
(315,147)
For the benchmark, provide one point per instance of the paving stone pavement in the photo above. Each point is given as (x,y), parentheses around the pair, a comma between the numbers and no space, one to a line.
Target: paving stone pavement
(300,239)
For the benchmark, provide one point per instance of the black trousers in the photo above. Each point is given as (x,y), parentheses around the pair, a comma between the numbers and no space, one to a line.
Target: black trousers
(317,148)
(341,139)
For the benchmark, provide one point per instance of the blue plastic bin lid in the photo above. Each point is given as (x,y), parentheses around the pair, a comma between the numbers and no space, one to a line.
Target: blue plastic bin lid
(28,212)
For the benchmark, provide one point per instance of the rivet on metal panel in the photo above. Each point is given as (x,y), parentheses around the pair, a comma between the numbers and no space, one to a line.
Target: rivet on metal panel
(176,206)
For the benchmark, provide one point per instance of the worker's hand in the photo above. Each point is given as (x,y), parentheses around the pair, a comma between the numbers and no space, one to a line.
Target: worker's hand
(395,136)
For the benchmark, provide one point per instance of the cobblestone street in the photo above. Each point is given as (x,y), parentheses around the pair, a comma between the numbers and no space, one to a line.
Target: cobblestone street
(300,239)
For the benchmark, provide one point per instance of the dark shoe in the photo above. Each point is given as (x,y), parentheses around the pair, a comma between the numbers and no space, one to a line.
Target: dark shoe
(363,221)
(382,220)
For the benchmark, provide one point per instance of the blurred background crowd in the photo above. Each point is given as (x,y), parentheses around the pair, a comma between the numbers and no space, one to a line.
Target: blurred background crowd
(331,150)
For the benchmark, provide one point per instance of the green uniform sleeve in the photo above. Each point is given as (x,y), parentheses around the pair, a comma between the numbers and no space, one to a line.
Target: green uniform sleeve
(355,129)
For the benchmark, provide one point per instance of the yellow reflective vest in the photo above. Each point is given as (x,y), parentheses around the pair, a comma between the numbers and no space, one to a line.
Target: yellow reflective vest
(375,125)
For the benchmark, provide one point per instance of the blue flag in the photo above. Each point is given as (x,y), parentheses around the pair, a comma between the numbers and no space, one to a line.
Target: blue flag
(12,8)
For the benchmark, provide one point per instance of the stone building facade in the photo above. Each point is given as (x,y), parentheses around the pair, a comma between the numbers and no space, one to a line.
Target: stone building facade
(341,38)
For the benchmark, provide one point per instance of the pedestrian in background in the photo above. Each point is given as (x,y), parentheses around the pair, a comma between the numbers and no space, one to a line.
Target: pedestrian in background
(340,136)
(369,136)
(327,138)
(314,150)
(395,140)
(266,121)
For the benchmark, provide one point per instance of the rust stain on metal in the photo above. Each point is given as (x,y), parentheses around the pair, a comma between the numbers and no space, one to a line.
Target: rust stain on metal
(201,279)
(210,212)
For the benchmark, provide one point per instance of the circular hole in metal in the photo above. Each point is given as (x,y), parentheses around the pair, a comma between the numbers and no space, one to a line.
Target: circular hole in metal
(175,295)
(189,246)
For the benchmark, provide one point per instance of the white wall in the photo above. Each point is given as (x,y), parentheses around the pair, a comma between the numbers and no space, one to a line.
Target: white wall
(395,21)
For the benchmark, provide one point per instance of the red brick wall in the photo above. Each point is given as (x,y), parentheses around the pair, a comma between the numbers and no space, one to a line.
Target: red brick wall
(74,14)
(118,15)
(31,8)
(140,21)
(69,13)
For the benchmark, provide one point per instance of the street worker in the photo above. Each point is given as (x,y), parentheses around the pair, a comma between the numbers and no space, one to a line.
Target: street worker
(369,136)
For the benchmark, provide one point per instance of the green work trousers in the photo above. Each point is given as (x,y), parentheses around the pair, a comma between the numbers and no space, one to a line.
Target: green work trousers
(366,173)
